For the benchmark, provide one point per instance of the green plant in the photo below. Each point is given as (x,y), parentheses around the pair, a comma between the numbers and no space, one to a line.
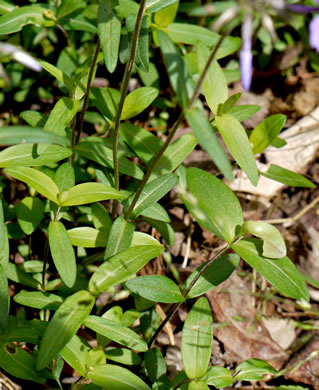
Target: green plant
(65,172)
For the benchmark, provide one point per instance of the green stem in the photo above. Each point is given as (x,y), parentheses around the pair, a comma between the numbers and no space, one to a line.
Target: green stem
(175,127)
(124,89)
(45,261)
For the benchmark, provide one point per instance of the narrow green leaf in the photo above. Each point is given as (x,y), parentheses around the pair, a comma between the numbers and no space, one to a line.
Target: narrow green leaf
(61,116)
(107,101)
(115,314)
(165,230)
(219,377)
(154,191)
(237,142)
(197,339)
(4,299)
(58,74)
(137,101)
(17,275)
(64,325)
(36,179)
(62,253)
(30,212)
(209,141)
(115,377)
(116,332)
(274,245)
(4,241)
(228,105)
(122,266)
(120,237)
(157,5)
(101,218)
(24,134)
(88,193)
(140,238)
(254,370)
(197,385)
(244,111)
(287,177)
(281,273)
(217,273)
(166,16)
(64,177)
(68,7)
(33,118)
(266,131)
(75,353)
(38,299)
(213,204)
(156,211)
(109,30)
(32,266)
(87,237)
(214,86)
(174,155)
(123,356)
(142,57)
(32,155)
(155,364)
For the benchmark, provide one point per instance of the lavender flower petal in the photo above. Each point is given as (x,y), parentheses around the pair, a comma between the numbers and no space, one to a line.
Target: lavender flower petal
(246,67)
(301,9)
(314,33)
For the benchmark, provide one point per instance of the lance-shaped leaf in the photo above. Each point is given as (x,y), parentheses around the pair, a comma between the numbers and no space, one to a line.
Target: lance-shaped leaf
(140,238)
(197,339)
(36,179)
(116,332)
(137,101)
(107,100)
(115,377)
(25,134)
(155,288)
(58,74)
(197,385)
(16,274)
(236,139)
(68,7)
(213,204)
(62,252)
(165,230)
(120,237)
(38,299)
(174,155)
(166,16)
(274,245)
(155,364)
(154,191)
(30,212)
(64,325)
(215,85)
(244,111)
(218,376)
(254,370)
(156,211)
(123,356)
(101,218)
(87,237)
(142,57)
(122,266)
(157,5)
(109,30)
(64,177)
(266,131)
(287,177)
(281,273)
(33,118)
(4,299)
(75,353)
(32,155)
(209,141)
(88,193)
(217,273)
(4,241)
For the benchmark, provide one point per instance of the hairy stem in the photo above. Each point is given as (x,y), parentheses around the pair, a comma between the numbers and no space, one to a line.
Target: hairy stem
(174,128)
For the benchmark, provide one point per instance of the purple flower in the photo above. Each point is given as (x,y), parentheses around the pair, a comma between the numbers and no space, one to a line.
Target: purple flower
(246,55)
(314,33)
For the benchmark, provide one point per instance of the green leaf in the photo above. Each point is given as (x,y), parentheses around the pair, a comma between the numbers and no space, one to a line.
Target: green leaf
(237,142)
(265,133)
(165,230)
(19,17)
(62,253)
(123,356)
(115,377)
(115,314)
(174,155)
(120,237)
(116,332)
(213,204)
(109,30)
(228,105)
(68,7)
(287,177)
(197,385)
(157,5)
(254,370)
(64,177)
(64,325)
(122,266)
(214,86)
(58,74)
(6,6)
(154,191)
(17,275)
(36,179)
(4,299)
(143,142)
(107,101)
(142,57)
(32,155)
(176,69)
(24,134)
(32,266)
(218,272)
(155,288)
(274,245)
(166,16)
(209,141)
(75,353)
(61,115)
(38,299)
(140,238)
(104,156)
(88,193)
(155,364)
(197,339)
(33,118)
(244,111)
(87,237)
(156,211)
(101,218)
(30,212)
(281,273)
(137,101)
(218,377)
(19,363)
(4,241)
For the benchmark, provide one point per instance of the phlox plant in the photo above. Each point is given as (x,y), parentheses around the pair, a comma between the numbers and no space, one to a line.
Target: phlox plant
(87,193)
